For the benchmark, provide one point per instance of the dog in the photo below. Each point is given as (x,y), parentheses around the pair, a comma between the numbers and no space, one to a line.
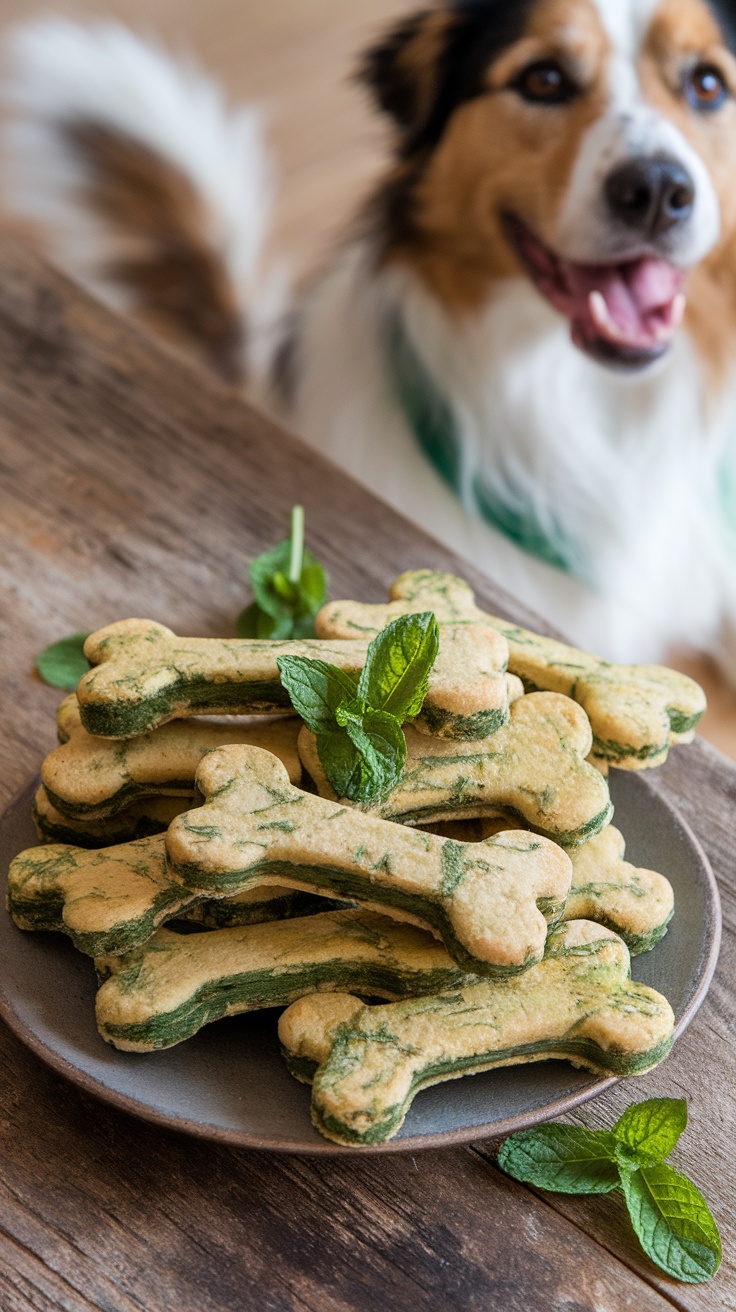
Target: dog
(525,342)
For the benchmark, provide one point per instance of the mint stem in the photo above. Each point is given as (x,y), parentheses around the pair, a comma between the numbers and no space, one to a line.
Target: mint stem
(297,544)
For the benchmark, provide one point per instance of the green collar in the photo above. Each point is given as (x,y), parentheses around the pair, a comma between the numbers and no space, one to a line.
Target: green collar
(726,487)
(430,418)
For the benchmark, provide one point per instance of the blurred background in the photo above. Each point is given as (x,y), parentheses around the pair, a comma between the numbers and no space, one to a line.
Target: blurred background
(295,58)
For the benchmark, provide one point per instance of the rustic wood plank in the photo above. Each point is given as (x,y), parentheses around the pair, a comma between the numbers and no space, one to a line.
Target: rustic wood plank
(131,484)
(295,60)
(139,1218)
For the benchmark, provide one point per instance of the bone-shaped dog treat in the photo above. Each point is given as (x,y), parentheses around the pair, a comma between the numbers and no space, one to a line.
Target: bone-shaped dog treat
(636,903)
(534,769)
(151,815)
(89,778)
(145,676)
(106,901)
(490,903)
(111,901)
(367,1063)
(637,711)
(168,989)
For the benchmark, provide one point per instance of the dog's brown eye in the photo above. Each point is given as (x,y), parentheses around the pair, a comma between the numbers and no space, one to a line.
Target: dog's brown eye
(705,87)
(545,83)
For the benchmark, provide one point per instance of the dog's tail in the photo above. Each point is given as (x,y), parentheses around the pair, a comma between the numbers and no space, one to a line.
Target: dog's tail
(141,182)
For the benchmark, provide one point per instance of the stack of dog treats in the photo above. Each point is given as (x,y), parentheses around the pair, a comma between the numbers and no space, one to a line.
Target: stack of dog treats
(486,897)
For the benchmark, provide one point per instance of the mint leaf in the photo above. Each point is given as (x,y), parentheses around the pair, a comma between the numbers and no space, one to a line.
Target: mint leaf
(673,1222)
(289,586)
(312,585)
(357,722)
(63,663)
(256,623)
(363,757)
(651,1129)
(379,740)
(283,597)
(341,762)
(398,664)
(562,1158)
(316,690)
(669,1214)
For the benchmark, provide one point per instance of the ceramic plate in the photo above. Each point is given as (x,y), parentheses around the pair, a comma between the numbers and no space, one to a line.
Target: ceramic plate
(230,1082)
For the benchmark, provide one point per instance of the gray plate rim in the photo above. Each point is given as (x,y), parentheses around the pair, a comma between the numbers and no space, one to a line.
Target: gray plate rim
(423,1142)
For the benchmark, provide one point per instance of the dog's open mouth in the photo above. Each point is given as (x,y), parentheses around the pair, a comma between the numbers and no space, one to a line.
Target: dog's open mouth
(621,314)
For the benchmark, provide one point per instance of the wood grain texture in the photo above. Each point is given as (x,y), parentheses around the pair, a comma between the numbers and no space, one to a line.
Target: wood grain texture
(140,1218)
(130,484)
(293,57)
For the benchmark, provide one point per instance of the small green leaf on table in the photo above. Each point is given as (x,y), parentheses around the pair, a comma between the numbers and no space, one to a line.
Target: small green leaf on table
(63,663)
(673,1222)
(564,1159)
(668,1212)
(651,1129)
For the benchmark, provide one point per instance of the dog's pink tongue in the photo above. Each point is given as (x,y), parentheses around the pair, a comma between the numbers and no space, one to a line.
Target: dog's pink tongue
(638,305)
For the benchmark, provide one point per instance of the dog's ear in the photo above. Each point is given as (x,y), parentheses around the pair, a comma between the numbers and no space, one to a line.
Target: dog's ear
(404,70)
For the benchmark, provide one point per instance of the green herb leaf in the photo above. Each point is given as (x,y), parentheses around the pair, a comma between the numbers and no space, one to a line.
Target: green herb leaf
(398,664)
(316,690)
(357,722)
(255,623)
(63,663)
(379,741)
(289,586)
(341,762)
(673,1222)
(363,756)
(651,1129)
(562,1158)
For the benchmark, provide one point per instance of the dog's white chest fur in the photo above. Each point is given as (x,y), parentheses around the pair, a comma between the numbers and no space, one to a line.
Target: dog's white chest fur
(623,469)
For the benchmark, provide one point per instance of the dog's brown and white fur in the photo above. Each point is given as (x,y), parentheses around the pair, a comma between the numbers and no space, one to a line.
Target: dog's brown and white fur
(574,319)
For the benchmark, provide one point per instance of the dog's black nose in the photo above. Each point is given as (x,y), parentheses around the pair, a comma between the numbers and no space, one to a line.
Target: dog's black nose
(651,194)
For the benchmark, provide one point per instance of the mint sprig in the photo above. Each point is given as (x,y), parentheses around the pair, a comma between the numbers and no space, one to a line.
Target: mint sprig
(63,663)
(358,722)
(289,587)
(669,1214)
(564,1159)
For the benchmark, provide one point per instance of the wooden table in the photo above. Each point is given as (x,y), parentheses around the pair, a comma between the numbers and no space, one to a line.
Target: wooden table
(132,485)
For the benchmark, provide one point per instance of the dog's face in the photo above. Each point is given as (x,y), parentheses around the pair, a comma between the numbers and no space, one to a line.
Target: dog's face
(590,144)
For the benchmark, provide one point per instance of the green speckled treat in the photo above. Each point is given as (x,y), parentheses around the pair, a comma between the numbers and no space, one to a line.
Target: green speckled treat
(637,711)
(89,778)
(168,989)
(145,675)
(636,903)
(151,815)
(111,901)
(105,901)
(490,903)
(367,1063)
(533,770)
